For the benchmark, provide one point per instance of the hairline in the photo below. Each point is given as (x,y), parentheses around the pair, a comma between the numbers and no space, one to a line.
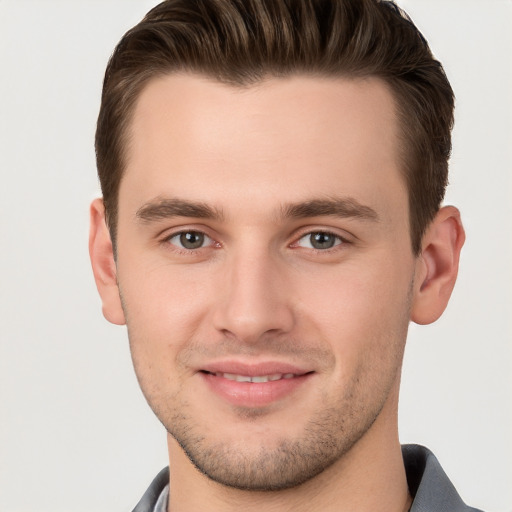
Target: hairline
(404,153)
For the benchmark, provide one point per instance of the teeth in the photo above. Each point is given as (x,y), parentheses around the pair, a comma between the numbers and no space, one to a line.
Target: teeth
(258,378)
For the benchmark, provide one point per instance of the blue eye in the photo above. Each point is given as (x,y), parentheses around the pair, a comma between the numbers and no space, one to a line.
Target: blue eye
(190,240)
(320,240)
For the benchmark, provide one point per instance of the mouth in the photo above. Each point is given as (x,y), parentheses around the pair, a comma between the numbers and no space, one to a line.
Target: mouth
(253,378)
(255,386)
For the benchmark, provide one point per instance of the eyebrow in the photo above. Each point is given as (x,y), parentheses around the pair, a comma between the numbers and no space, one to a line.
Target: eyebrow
(166,208)
(346,207)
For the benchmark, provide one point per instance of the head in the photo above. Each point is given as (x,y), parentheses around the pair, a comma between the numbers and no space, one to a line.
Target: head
(272,174)
(242,43)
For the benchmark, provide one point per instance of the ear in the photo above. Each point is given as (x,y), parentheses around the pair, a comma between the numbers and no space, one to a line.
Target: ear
(103,264)
(437,266)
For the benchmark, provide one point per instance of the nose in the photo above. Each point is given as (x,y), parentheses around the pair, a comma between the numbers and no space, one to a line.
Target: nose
(254,298)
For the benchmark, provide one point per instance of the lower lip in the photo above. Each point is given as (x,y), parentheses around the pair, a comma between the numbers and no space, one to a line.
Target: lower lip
(253,394)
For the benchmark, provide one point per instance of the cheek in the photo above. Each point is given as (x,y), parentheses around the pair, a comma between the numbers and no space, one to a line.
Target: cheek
(162,293)
(359,309)
(163,309)
(164,306)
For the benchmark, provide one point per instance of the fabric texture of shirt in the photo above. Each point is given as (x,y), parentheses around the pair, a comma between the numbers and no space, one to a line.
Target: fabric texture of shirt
(428,484)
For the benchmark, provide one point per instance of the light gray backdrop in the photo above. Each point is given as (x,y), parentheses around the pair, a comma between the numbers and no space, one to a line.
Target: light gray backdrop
(75,432)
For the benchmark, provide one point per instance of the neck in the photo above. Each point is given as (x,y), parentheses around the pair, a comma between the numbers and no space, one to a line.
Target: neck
(369,477)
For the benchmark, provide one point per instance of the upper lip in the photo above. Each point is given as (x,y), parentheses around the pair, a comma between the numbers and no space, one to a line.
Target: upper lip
(253,369)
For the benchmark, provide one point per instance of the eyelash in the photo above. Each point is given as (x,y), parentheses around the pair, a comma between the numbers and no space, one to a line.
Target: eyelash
(189,251)
(339,241)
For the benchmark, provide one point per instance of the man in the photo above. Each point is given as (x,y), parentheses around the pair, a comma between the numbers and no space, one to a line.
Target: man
(272,177)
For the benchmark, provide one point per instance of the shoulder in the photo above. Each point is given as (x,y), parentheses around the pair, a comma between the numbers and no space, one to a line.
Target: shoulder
(149,500)
(429,485)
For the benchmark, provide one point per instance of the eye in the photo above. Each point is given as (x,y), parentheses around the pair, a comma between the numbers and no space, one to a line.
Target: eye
(190,240)
(319,240)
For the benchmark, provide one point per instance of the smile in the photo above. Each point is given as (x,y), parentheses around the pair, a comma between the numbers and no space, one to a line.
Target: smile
(255,378)
(254,387)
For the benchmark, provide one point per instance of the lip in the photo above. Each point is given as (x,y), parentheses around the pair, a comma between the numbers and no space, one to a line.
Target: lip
(253,394)
(253,369)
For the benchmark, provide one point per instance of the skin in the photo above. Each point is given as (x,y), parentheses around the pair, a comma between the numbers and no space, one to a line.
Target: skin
(255,172)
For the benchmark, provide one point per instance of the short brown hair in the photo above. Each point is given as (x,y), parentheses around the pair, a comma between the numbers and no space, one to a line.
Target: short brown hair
(242,42)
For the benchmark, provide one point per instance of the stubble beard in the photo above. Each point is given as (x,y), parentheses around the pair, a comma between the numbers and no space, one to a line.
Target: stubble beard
(280,462)
(287,463)
(331,431)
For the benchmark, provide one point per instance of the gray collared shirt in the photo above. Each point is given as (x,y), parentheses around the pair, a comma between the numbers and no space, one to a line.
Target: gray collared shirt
(431,489)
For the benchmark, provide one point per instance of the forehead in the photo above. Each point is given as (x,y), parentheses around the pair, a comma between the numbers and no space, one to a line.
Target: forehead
(293,136)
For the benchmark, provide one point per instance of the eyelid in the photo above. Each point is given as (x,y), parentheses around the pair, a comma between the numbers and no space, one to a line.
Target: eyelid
(309,230)
(176,235)
(168,235)
(338,240)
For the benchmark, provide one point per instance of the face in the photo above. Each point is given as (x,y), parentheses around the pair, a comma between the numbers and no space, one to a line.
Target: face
(265,270)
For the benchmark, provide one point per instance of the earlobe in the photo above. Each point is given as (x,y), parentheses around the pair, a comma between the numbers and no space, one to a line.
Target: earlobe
(103,264)
(437,266)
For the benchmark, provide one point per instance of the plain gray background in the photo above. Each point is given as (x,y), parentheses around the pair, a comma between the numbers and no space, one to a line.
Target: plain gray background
(75,431)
